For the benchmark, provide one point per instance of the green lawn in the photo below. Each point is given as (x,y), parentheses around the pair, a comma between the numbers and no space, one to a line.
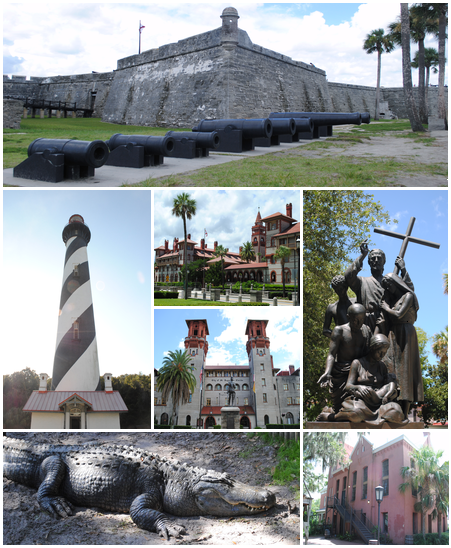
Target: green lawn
(16,141)
(200,302)
(285,168)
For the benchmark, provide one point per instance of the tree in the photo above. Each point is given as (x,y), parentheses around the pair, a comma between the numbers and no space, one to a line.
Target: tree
(213,274)
(136,391)
(221,252)
(415,122)
(282,254)
(184,207)
(378,41)
(196,270)
(17,388)
(324,448)
(428,480)
(176,379)
(247,252)
(335,224)
(430,62)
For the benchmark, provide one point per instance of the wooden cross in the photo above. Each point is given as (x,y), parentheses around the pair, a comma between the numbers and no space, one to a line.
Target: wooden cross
(406,238)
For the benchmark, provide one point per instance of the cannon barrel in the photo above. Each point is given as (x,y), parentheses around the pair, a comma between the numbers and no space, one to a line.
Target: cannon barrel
(365,117)
(83,153)
(323,118)
(283,126)
(251,128)
(202,139)
(152,144)
(303,124)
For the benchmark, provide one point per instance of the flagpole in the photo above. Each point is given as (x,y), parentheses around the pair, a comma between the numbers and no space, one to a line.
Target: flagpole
(139,51)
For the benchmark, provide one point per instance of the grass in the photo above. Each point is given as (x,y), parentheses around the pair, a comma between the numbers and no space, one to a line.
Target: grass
(16,141)
(287,168)
(200,302)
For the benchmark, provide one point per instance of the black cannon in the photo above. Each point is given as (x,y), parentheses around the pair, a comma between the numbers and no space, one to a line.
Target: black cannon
(304,130)
(366,118)
(138,150)
(237,135)
(194,144)
(54,160)
(281,127)
(323,122)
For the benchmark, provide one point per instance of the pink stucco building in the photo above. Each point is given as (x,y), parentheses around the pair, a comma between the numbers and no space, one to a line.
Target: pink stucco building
(350,500)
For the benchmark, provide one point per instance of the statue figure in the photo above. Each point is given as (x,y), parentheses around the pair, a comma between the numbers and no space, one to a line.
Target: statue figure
(337,311)
(370,390)
(231,393)
(369,290)
(399,313)
(347,342)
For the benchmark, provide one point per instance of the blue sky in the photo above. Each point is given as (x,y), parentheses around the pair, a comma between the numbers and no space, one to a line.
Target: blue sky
(77,38)
(227,341)
(425,265)
(120,261)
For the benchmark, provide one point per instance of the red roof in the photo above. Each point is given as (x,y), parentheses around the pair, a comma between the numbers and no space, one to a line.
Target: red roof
(277,215)
(292,230)
(98,400)
(212,367)
(246,265)
(216,410)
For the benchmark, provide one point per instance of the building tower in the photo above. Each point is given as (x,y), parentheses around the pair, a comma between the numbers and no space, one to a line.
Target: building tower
(258,238)
(261,374)
(196,346)
(76,364)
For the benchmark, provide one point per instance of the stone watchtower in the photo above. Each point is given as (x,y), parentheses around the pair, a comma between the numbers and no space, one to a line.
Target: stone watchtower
(229,37)
(196,346)
(264,395)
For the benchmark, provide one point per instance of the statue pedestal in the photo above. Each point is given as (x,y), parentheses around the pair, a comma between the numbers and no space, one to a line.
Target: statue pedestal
(368,425)
(230,418)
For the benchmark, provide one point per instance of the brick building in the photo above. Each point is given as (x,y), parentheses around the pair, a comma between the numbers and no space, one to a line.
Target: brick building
(352,486)
(264,393)
(267,235)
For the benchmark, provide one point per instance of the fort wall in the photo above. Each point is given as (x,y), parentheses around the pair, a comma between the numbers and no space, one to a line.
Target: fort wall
(217,74)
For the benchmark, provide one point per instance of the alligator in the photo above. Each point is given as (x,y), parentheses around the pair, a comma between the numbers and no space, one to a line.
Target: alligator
(127,479)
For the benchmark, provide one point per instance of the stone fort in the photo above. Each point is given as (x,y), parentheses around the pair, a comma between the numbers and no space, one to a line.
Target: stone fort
(217,74)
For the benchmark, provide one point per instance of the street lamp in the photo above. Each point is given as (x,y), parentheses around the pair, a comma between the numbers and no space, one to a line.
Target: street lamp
(379,497)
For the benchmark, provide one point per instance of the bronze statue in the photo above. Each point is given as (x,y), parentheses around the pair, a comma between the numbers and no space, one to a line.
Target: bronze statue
(337,311)
(231,392)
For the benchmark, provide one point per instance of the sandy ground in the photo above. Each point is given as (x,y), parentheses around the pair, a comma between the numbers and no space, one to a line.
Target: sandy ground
(24,523)
(401,150)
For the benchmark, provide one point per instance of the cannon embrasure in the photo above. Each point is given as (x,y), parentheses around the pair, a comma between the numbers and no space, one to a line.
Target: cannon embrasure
(237,135)
(138,151)
(54,160)
(323,122)
(194,144)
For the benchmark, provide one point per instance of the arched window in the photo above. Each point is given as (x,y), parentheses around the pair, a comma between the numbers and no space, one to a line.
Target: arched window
(218,387)
(273,276)
(287,276)
(245,387)
(209,387)
(289,418)
(188,420)
(164,418)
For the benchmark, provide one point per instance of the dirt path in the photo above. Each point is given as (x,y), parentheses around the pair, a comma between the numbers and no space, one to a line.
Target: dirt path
(247,460)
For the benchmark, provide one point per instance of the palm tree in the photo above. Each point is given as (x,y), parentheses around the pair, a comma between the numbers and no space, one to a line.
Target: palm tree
(380,42)
(221,252)
(184,207)
(420,23)
(282,254)
(430,62)
(428,479)
(415,122)
(176,379)
(247,252)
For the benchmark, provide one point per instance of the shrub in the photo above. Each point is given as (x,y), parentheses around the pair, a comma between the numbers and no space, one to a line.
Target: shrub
(166,295)
(431,538)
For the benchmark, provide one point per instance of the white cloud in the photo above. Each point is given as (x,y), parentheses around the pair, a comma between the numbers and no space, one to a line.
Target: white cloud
(110,32)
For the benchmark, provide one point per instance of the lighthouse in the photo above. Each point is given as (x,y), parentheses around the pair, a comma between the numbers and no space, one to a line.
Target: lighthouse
(76,363)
